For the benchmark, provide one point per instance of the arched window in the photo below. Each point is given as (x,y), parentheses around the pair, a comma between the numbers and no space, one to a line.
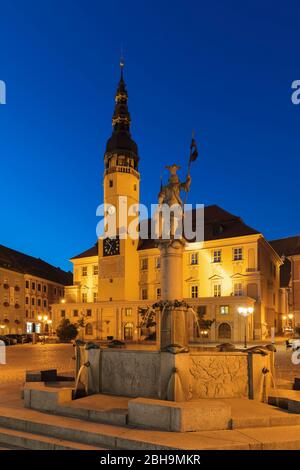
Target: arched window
(88,329)
(128,331)
(224,331)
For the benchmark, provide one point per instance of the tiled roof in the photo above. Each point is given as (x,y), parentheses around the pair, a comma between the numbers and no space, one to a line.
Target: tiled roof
(90,252)
(286,247)
(25,264)
(218,224)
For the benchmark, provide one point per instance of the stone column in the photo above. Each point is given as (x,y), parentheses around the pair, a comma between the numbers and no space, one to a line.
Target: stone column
(174,321)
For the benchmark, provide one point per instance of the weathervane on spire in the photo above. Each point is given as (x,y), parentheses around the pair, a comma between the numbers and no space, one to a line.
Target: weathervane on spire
(122,61)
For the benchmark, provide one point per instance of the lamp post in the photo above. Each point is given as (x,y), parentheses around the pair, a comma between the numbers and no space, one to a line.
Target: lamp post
(43,319)
(290,317)
(245,312)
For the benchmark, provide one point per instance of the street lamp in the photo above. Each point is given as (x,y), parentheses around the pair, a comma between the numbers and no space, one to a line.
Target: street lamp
(245,312)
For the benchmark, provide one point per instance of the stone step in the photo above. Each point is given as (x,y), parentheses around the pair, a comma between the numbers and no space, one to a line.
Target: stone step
(98,408)
(116,437)
(24,440)
(286,399)
(252,414)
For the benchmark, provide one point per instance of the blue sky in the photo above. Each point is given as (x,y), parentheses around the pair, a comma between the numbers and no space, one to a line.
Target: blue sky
(222,68)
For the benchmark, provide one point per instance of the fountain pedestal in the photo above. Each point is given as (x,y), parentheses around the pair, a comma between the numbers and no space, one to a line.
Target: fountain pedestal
(173,324)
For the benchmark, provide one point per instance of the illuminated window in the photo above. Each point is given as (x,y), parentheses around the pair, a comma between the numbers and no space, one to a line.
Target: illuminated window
(224,309)
(194,291)
(128,312)
(237,254)
(194,258)
(238,289)
(217,256)
(217,290)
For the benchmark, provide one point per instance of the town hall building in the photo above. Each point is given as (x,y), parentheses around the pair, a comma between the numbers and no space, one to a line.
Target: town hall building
(115,279)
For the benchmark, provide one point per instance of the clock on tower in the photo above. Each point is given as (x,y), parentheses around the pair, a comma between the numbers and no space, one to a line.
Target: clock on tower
(111,246)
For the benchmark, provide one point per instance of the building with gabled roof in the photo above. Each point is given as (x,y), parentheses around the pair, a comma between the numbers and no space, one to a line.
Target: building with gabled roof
(115,278)
(28,286)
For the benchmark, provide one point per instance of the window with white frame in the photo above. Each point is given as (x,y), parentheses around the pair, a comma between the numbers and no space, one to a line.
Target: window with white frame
(217,290)
(237,254)
(194,258)
(238,289)
(224,310)
(217,256)
(194,291)
(144,293)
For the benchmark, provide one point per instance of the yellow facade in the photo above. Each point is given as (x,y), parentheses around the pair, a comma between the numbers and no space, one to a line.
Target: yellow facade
(237,268)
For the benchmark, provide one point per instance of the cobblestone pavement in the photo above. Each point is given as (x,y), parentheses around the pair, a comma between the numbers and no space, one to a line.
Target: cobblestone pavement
(20,358)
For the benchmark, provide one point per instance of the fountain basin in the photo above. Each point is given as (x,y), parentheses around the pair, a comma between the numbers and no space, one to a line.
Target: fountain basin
(199,374)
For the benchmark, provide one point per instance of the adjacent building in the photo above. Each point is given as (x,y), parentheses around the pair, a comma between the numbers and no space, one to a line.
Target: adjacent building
(28,287)
(116,278)
(289,251)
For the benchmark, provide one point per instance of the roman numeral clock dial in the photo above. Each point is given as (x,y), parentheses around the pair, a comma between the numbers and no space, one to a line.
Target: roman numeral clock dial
(111,246)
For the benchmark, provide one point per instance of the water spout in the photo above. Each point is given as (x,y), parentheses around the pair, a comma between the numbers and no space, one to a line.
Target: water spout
(196,320)
(84,366)
(175,390)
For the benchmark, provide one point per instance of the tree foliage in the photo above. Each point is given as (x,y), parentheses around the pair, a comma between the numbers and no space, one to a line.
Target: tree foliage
(66,331)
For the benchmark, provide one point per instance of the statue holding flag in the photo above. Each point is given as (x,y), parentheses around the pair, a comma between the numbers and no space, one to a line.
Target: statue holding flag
(193,157)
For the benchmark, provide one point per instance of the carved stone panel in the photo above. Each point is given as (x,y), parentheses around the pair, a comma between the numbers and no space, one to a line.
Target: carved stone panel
(218,376)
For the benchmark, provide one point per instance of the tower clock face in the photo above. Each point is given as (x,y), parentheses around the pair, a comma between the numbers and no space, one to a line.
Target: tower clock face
(111,246)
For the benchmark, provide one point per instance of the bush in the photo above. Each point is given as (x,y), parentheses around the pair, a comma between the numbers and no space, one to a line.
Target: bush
(297,330)
(66,331)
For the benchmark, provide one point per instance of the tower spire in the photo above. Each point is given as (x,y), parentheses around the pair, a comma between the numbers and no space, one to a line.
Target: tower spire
(120,142)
